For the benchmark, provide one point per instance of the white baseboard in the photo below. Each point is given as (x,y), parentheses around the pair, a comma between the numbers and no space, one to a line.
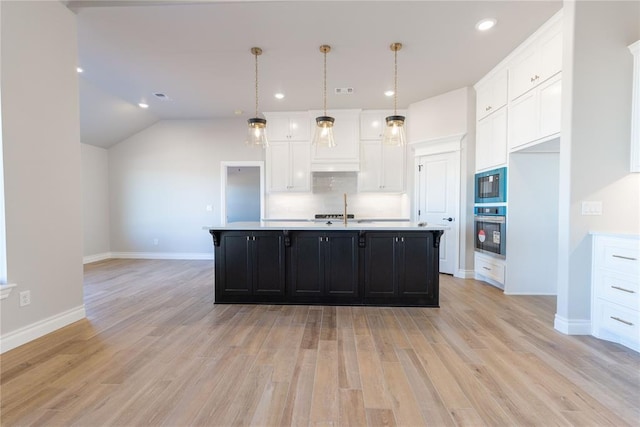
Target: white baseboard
(96,257)
(464,274)
(530,293)
(572,326)
(43,327)
(163,255)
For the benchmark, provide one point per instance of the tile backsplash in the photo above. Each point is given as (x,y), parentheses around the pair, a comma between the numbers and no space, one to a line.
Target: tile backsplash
(362,205)
(334,182)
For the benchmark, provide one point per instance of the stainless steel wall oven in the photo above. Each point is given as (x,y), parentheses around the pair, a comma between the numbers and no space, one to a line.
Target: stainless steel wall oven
(491,230)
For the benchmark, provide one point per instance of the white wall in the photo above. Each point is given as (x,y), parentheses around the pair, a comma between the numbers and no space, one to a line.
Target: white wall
(452,113)
(532,224)
(161,181)
(42,167)
(95,202)
(594,156)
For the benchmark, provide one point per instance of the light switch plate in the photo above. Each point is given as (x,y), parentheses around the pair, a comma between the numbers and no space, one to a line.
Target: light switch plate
(592,208)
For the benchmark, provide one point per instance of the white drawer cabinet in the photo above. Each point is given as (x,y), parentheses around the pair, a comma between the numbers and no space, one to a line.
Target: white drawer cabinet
(615,289)
(488,267)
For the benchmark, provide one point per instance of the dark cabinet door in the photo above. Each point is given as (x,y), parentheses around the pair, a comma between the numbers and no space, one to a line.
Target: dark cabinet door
(268,265)
(341,264)
(234,264)
(251,264)
(324,265)
(416,275)
(307,273)
(380,271)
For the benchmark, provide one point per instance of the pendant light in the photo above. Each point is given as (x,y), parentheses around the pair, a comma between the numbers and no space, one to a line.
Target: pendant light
(257,132)
(323,136)
(394,130)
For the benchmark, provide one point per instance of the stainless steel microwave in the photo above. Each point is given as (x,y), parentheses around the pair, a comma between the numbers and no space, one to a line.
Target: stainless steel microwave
(491,186)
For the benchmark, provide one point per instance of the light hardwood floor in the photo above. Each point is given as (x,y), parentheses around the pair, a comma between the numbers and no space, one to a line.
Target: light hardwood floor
(154,350)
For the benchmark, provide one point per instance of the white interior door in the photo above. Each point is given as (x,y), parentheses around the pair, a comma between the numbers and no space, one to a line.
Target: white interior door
(438,196)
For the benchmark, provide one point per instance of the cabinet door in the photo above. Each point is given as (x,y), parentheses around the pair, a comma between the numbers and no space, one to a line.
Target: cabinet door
(523,72)
(550,55)
(372,125)
(550,106)
(278,164)
(341,264)
(307,269)
(417,277)
(299,127)
(277,127)
(235,264)
(393,168)
(268,264)
(346,135)
(299,166)
(523,126)
(380,271)
(369,177)
(491,140)
(491,95)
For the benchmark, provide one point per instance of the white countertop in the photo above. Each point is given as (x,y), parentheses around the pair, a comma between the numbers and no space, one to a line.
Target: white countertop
(335,225)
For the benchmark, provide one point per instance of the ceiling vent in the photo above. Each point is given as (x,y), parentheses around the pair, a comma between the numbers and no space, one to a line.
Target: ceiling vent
(344,91)
(161,96)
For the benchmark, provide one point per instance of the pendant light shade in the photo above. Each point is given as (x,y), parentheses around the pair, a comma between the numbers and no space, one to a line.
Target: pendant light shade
(257,131)
(394,133)
(323,136)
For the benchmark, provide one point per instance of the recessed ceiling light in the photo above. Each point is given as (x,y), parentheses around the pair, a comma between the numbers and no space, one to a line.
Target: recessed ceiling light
(279,95)
(78,69)
(389,93)
(486,24)
(143,105)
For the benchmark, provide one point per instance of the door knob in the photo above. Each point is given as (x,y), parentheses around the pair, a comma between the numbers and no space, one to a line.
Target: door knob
(448,219)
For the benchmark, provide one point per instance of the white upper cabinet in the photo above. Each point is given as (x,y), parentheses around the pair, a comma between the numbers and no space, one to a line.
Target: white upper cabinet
(288,166)
(372,124)
(382,167)
(540,60)
(535,116)
(635,109)
(292,126)
(491,94)
(491,141)
(345,156)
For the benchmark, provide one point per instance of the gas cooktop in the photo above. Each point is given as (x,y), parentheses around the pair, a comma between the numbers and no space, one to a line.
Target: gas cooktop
(333,216)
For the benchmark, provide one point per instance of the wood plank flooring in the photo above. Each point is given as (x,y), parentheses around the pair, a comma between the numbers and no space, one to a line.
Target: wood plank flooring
(154,350)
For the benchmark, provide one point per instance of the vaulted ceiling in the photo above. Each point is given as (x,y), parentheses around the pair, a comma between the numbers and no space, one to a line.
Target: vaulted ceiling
(198,55)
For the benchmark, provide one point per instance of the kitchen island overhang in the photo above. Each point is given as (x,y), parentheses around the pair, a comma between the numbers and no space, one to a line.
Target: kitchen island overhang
(360,263)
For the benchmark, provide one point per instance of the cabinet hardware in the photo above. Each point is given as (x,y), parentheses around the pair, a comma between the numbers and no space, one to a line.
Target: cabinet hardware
(623,289)
(621,321)
(402,239)
(487,108)
(624,257)
(248,238)
(396,240)
(486,268)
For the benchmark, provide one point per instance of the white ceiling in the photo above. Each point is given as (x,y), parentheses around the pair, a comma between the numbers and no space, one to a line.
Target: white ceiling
(197,53)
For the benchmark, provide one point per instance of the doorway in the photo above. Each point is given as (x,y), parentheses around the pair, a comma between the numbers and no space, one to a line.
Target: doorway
(242,192)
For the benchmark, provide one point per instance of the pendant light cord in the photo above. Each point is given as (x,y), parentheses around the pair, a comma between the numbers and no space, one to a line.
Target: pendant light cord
(325,83)
(395,82)
(256,56)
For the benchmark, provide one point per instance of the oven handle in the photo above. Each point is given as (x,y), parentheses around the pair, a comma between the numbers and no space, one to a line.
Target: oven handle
(498,219)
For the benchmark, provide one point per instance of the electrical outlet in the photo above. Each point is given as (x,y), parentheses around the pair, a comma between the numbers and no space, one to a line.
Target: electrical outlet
(155,241)
(25,298)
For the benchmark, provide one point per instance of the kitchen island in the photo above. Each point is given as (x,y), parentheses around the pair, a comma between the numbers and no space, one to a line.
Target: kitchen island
(360,263)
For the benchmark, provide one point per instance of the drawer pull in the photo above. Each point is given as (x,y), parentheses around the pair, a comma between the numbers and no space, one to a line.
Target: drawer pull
(624,257)
(621,321)
(486,268)
(623,289)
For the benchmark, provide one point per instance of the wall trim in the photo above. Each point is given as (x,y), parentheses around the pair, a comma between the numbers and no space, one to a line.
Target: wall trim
(96,257)
(572,326)
(163,255)
(40,328)
(531,293)
(464,274)
(438,145)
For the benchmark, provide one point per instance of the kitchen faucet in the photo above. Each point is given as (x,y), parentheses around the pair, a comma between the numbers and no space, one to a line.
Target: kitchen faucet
(344,216)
